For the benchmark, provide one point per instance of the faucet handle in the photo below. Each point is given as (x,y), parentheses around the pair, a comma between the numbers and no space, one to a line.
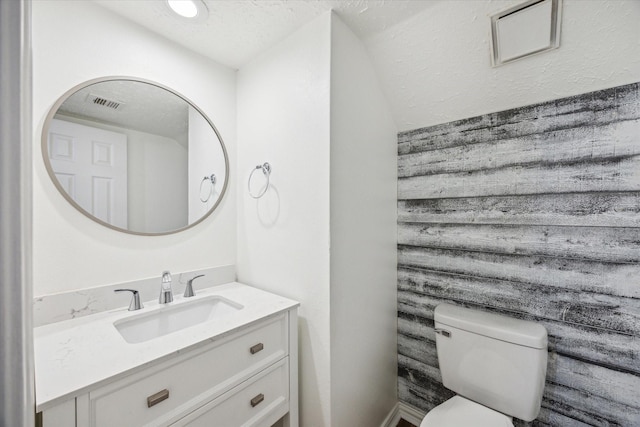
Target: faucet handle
(135,303)
(188,292)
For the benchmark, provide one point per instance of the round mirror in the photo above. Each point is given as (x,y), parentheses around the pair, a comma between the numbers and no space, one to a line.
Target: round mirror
(135,156)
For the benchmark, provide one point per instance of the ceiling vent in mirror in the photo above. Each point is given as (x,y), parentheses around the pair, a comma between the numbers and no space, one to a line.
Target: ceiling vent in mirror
(526,29)
(104,102)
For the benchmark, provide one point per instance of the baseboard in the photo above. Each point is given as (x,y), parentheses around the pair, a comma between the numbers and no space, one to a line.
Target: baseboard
(403,411)
(411,414)
(393,418)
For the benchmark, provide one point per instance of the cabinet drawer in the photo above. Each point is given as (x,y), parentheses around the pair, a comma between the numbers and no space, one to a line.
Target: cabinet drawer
(167,392)
(259,402)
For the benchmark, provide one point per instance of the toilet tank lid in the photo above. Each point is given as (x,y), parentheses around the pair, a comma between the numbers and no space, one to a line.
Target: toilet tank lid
(504,328)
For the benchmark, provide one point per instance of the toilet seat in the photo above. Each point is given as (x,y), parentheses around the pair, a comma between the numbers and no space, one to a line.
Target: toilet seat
(461,412)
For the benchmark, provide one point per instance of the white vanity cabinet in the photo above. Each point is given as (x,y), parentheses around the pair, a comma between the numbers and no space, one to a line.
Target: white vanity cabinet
(245,377)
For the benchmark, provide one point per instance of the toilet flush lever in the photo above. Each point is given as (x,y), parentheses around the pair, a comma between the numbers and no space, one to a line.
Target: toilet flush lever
(443,332)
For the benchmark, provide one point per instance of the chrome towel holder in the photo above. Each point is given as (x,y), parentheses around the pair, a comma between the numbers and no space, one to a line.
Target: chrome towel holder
(266,171)
(212,180)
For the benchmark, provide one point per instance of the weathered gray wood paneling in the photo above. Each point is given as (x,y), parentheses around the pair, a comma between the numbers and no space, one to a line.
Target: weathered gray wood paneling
(621,173)
(611,244)
(588,408)
(573,145)
(601,107)
(573,209)
(532,213)
(584,308)
(620,279)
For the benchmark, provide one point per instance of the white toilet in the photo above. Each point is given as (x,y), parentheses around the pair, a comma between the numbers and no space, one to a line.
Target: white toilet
(495,364)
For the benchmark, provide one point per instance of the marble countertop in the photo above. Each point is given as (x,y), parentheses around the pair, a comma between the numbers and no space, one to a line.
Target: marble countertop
(74,356)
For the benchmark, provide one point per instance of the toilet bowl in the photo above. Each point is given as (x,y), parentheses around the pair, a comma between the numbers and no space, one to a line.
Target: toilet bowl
(495,364)
(461,412)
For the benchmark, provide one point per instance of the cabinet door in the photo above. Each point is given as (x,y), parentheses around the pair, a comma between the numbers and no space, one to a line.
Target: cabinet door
(61,415)
(259,402)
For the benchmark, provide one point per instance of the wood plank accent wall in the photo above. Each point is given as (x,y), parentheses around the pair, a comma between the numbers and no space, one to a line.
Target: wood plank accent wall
(533,213)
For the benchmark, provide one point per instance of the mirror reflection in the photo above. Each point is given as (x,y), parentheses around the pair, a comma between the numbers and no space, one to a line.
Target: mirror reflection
(135,156)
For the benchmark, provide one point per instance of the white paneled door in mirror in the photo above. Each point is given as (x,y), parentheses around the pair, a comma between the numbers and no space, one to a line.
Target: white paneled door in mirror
(91,165)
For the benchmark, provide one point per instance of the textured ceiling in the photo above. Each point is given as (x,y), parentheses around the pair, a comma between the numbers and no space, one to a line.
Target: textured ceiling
(432,57)
(237,31)
(141,106)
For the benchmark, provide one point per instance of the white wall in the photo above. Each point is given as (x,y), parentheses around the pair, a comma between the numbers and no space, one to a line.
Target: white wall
(363,238)
(324,233)
(283,238)
(77,41)
(436,67)
(158,171)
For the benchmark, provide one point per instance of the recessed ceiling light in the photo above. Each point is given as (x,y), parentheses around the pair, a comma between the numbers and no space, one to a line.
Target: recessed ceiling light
(192,9)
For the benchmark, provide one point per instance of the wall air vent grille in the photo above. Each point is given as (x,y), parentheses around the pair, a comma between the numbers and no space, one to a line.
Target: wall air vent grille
(526,29)
(104,102)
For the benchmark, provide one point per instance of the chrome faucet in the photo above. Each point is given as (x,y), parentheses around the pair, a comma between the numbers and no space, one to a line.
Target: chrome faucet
(166,294)
(188,292)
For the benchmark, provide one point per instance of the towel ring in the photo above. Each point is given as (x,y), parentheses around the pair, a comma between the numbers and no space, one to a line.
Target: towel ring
(212,180)
(266,170)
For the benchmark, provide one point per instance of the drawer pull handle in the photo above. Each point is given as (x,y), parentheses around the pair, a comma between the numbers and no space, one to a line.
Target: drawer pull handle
(256,348)
(256,400)
(154,399)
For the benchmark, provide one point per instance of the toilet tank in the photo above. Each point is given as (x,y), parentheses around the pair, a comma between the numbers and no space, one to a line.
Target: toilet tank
(497,361)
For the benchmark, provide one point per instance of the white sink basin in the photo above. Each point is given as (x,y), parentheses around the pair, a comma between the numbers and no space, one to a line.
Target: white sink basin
(173,318)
